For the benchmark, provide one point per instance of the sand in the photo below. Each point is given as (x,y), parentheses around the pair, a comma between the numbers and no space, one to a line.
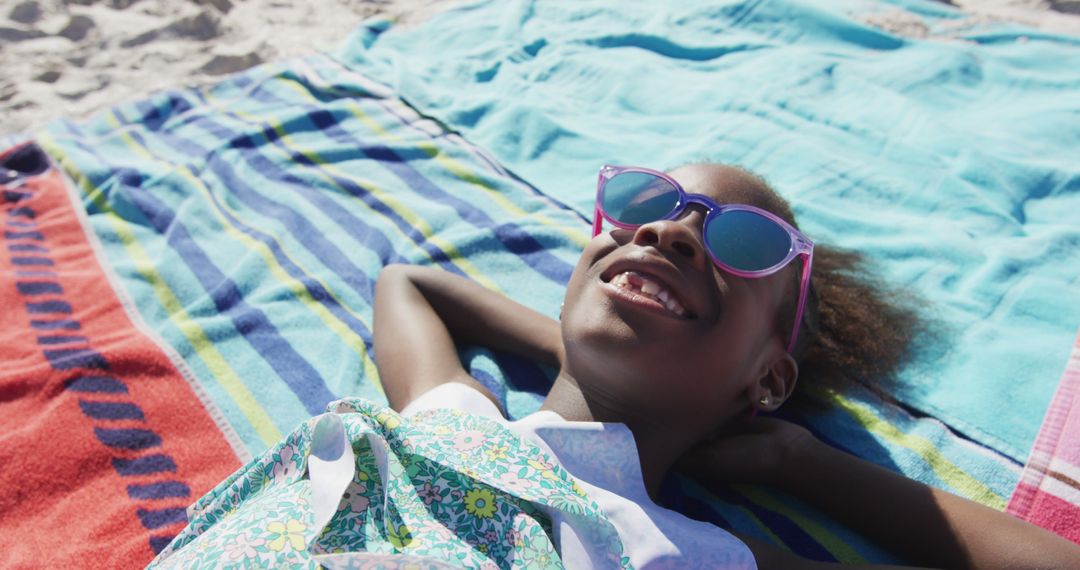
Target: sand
(70,58)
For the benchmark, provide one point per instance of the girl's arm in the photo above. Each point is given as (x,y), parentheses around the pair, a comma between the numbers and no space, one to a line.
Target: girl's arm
(419,314)
(919,523)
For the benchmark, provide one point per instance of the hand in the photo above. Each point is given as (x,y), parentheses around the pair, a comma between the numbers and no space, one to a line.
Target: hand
(759,450)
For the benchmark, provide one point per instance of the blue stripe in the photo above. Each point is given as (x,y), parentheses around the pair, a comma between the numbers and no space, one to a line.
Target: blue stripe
(161,517)
(325,69)
(24,212)
(532,252)
(59,324)
(355,227)
(794,537)
(314,288)
(18,224)
(37,287)
(162,490)
(60,339)
(27,247)
(10,196)
(159,542)
(97,384)
(134,439)
(143,465)
(252,323)
(24,235)
(69,358)
(111,410)
(23,261)
(49,307)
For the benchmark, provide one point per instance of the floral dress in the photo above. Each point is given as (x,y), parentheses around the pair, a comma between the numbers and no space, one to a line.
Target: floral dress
(363,487)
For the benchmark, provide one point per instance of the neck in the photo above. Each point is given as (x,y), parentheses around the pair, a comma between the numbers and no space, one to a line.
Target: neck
(659,446)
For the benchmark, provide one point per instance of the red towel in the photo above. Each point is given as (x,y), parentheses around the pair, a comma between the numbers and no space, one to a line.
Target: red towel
(103,441)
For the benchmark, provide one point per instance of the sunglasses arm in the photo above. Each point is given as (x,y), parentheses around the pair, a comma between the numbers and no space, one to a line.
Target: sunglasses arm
(597,220)
(804,286)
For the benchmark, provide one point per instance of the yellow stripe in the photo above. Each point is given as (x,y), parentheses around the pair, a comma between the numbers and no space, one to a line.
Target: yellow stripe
(328,171)
(945,470)
(194,334)
(456,168)
(353,340)
(839,549)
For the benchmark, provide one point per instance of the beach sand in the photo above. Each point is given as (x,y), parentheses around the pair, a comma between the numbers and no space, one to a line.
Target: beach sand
(70,58)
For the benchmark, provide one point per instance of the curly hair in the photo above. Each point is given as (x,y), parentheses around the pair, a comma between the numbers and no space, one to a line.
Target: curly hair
(854,326)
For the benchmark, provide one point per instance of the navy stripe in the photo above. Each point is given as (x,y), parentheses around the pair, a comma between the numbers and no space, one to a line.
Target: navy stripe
(531,251)
(24,235)
(517,241)
(127,438)
(49,307)
(23,261)
(143,465)
(111,410)
(24,212)
(60,339)
(59,324)
(97,384)
(356,227)
(162,490)
(10,196)
(18,224)
(158,543)
(252,323)
(794,537)
(27,247)
(161,517)
(69,358)
(38,287)
(314,288)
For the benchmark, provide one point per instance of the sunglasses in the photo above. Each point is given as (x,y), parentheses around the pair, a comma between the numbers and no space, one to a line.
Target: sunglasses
(742,240)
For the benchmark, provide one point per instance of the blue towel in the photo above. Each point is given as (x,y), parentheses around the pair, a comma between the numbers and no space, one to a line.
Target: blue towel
(950,160)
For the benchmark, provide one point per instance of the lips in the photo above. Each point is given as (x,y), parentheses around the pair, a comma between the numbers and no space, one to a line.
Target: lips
(653,282)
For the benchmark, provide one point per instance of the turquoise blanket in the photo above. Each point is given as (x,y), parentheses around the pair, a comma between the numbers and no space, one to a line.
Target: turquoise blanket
(951,160)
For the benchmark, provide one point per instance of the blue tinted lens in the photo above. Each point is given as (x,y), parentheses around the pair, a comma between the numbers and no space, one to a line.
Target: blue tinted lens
(638,197)
(747,241)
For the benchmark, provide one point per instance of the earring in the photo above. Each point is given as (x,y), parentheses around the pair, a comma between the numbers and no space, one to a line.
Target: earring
(764,401)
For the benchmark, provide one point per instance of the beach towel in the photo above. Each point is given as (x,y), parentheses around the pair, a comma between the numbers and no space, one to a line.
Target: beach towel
(243,225)
(1049,490)
(104,437)
(949,159)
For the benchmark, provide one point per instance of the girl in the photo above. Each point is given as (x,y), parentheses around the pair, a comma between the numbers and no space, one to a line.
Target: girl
(696,312)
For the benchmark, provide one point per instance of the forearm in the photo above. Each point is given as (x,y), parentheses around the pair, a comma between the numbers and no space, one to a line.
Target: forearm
(420,315)
(921,524)
(474,315)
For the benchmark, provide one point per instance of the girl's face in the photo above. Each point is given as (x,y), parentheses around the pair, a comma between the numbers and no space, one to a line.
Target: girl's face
(653,329)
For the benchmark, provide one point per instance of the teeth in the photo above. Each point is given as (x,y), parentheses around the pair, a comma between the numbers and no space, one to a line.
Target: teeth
(649,288)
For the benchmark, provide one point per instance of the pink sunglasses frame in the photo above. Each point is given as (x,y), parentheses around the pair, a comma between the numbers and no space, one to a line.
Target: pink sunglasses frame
(801,246)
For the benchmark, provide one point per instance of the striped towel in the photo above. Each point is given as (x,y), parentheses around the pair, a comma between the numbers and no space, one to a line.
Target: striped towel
(248,221)
(1049,491)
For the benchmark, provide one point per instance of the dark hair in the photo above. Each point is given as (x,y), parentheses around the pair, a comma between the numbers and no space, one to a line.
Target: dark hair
(854,326)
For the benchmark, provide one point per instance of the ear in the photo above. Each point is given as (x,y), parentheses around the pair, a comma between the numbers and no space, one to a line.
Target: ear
(775,383)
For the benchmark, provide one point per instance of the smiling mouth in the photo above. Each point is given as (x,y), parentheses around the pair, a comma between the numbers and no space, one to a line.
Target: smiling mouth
(646,289)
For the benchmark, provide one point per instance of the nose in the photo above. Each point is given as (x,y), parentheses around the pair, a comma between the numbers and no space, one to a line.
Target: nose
(681,236)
